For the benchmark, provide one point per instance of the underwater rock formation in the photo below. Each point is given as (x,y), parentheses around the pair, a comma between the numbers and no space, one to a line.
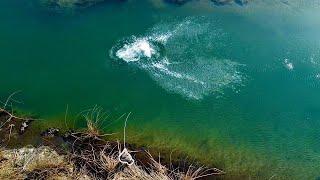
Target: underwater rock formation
(216,2)
(179,2)
(221,2)
(242,2)
(88,3)
(73,3)
(225,2)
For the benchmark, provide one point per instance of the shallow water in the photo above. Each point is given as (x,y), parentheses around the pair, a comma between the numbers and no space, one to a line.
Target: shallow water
(241,77)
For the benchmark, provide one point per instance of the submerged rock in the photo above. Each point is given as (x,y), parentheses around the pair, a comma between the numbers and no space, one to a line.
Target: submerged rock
(51,132)
(221,2)
(242,2)
(73,3)
(179,2)
(216,2)
(225,2)
(24,125)
(70,3)
(89,3)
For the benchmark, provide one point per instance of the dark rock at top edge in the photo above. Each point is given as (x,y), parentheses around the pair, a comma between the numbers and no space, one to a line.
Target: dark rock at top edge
(78,4)
(177,2)
(61,4)
(226,2)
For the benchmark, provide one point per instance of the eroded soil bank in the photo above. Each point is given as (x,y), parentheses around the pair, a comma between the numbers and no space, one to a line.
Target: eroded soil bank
(86,154)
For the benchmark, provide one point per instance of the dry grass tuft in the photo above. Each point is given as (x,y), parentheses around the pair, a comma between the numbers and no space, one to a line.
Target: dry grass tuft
(37,163)
(94,117)
(109,161)
(88,155)
(89,160)
(199,172)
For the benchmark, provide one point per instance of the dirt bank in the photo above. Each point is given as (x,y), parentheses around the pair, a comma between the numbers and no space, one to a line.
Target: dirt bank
(85,154)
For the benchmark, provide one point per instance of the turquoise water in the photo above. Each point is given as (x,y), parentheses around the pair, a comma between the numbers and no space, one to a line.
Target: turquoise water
(210,79)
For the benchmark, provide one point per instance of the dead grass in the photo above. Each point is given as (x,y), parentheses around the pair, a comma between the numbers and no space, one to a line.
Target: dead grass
(94,118)
(102,162)
(88,160)
(90,156)
(36,163)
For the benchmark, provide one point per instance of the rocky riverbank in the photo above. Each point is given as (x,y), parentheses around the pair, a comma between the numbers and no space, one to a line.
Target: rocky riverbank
(45,162)
(86,154)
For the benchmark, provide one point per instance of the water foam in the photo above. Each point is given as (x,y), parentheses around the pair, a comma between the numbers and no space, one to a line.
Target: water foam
(176,56)
(135,51)
(289,65)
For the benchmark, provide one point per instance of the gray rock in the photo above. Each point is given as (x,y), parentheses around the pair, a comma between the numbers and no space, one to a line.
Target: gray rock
(179,2)
(242,2)
(73,3)
(221,2)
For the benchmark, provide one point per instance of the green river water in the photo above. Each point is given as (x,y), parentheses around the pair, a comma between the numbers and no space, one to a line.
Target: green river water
(232,86)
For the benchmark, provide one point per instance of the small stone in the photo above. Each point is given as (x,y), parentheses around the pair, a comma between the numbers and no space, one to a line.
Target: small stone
(51,132)
(24,126)
(242,2)
(221,2)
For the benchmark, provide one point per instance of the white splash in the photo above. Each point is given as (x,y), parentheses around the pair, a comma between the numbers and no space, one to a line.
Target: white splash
(136,50)
(289,65)
(163,38)
(175,56)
